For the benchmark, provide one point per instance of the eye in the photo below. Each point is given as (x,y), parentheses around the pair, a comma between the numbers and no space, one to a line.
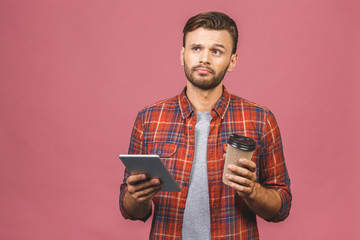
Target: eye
(196,49)
(216,52)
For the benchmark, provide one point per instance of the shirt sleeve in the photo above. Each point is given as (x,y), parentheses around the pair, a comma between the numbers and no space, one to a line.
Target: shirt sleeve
(272,169)
(136,147)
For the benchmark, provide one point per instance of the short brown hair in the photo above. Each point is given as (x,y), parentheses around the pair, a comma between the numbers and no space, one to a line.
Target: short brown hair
(213,21)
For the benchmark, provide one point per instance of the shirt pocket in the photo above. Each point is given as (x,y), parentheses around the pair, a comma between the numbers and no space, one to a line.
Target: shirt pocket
(167,154)
(164,150)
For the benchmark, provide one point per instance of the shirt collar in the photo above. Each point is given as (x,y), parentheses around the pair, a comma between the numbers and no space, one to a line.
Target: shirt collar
(219,108)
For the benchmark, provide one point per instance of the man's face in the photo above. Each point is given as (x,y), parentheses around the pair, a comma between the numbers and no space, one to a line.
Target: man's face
(207,56)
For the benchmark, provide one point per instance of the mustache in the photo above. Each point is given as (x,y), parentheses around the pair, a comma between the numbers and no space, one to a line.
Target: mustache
(202,66)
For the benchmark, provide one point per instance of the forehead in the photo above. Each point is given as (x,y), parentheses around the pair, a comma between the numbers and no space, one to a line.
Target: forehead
(204,36)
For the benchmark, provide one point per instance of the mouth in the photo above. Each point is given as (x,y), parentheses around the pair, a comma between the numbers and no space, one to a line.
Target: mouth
(203,70)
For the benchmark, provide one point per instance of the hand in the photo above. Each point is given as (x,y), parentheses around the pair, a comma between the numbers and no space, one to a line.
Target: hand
(244,178)
(141,189)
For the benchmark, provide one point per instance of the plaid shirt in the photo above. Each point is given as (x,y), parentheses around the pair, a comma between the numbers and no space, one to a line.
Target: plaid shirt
(166,128)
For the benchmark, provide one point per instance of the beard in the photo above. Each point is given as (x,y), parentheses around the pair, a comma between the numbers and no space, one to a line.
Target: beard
(204,84)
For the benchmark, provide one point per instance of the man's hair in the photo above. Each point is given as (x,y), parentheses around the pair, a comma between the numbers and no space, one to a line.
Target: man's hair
(212,21)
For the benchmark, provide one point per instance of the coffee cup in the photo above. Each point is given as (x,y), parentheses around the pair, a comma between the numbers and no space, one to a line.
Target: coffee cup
(237,147)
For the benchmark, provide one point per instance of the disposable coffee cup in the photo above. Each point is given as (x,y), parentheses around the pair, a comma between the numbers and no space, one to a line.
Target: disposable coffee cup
(237,147)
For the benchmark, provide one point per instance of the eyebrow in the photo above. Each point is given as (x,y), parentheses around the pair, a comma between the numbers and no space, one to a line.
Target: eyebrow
(195,45)
(200,45)
(220,46)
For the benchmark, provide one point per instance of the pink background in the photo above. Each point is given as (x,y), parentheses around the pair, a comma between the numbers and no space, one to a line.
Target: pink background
(73,75)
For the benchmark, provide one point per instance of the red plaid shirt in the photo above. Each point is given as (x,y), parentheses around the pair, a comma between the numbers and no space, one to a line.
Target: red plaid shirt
(166,128)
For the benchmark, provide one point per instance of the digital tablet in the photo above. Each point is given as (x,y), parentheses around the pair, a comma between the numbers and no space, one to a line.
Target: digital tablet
(153,167)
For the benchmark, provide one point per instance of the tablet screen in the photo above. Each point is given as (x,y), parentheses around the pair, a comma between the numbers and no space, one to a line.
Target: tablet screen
(153,167)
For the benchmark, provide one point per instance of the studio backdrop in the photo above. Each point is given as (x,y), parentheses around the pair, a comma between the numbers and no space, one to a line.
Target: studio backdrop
(74,74)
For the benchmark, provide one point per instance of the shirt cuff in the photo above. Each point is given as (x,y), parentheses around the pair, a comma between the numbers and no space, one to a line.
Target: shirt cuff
(285,206)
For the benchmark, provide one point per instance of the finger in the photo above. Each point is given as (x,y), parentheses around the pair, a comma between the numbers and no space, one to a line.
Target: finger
(242,172)
(135,178)
(146,194)
(155,182)
(146,198)
(242,190)
(132,188)
(239,180)
(248,164)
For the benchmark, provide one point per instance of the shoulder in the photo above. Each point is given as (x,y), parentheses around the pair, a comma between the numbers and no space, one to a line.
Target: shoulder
(257,116)
(246,105)
(159,107)
(250,111)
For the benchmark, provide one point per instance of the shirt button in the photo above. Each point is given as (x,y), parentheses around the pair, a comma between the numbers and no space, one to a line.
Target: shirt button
(190,127)
(184,184)
(189,155)
(159,152)
(181,211)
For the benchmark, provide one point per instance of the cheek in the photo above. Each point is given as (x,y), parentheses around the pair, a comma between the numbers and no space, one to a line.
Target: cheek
(189,60)
(219,66)
(191,56)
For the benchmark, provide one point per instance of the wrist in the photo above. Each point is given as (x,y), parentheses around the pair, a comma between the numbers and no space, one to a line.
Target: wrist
(135,209)
(254,193)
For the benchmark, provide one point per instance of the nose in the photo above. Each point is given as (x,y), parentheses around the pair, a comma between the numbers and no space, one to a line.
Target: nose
(205,58)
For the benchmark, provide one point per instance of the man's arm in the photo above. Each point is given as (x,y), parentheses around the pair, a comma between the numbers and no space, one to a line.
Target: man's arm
(264,202)
(269,196)
(137,192)
(138,197)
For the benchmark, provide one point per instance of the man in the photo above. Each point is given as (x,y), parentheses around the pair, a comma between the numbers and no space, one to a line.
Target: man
(190,131)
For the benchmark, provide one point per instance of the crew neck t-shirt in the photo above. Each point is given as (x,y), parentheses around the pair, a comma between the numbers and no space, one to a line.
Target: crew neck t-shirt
(196,223)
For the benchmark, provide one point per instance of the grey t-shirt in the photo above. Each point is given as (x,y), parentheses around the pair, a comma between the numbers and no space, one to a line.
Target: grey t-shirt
(196,222)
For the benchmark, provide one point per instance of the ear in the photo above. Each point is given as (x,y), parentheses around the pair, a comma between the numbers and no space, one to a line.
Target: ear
(182,56)
(233,61)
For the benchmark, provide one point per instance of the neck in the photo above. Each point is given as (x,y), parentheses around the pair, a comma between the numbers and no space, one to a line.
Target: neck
(203,100)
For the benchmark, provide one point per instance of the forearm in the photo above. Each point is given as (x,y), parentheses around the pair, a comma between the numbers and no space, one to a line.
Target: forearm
(264,202)
(136,210)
